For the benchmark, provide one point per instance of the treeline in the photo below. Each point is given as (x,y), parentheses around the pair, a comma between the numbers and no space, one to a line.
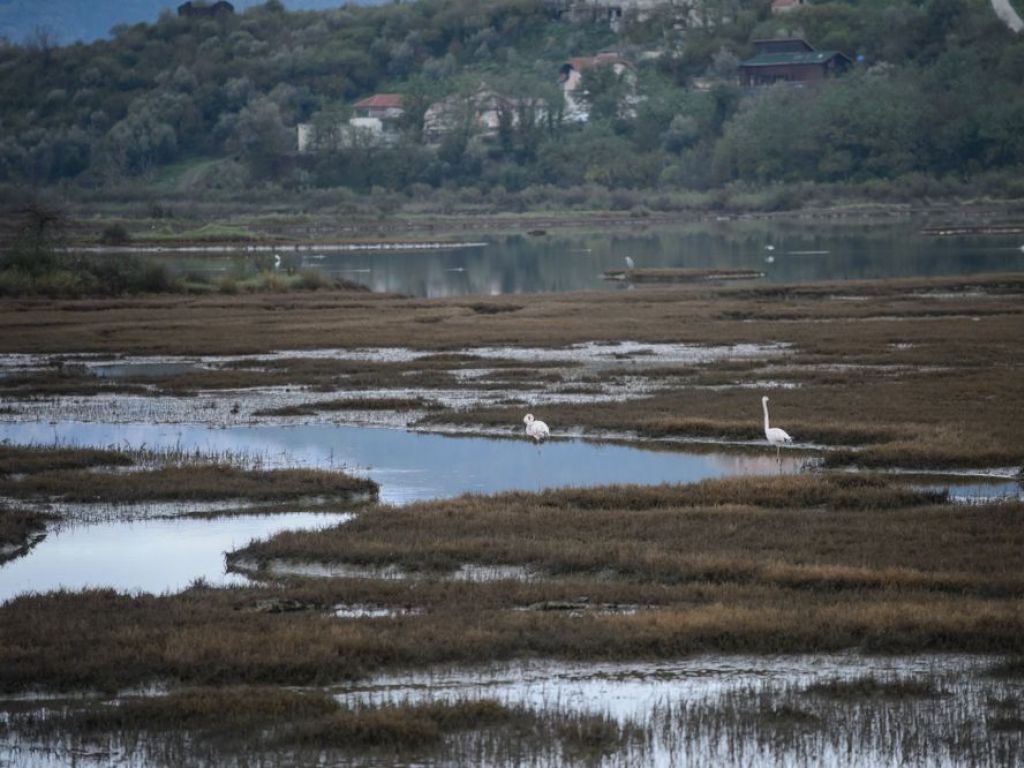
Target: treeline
(938,90)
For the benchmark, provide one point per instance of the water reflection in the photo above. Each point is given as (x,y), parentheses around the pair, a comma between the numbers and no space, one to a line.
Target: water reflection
(569,261)
(156,556)
(630,690)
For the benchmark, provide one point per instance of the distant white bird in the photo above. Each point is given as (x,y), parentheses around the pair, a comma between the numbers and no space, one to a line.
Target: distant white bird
(775,436)
(769,259)
(538,430)
(769,247)
(277,261)
(630,264)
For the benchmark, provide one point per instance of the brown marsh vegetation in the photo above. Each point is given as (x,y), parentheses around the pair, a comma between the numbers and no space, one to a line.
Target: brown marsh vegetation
(17,528)
(908,373)
(916,373)
(788,564)
(209,726)
(680,275)
(192,482)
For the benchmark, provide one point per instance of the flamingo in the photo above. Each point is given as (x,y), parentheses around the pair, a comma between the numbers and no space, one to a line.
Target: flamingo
(538,430)
(774,435)
(630,264)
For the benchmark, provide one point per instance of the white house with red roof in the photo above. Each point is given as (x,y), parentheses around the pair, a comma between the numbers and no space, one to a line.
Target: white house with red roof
(571,76)
(375,121)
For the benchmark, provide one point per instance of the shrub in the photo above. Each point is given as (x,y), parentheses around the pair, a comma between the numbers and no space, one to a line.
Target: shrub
(154,278)
(14,282)
(115,234)
(312,280)
(227,284)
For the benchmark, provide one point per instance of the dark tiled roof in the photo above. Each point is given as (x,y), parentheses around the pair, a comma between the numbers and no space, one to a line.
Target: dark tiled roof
(800,57)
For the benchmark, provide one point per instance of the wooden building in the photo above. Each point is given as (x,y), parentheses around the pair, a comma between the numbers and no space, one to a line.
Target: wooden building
(791,60)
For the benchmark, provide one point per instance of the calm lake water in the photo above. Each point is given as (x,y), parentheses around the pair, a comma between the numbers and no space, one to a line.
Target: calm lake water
(569,261)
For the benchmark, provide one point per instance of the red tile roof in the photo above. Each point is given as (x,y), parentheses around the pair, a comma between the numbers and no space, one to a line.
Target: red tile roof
(380,101)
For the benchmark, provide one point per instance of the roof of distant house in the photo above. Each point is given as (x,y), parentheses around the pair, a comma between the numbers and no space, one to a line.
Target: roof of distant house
(791,57)
(380,101)
(579,63)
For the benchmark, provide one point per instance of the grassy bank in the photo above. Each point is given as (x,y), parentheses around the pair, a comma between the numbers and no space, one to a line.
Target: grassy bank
(209,482)
(37,476)
(18,527)
(41,473)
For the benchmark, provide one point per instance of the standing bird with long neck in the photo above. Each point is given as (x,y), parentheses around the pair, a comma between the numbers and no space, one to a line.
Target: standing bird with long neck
(774,435)
(538,430)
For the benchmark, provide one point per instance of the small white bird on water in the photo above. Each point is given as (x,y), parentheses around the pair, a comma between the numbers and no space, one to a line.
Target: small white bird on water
(538,430)
(775,436)
(630,264)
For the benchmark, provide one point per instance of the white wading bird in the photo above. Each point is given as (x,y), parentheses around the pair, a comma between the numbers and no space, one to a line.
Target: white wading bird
(538,430)
(630,264)
(775,436)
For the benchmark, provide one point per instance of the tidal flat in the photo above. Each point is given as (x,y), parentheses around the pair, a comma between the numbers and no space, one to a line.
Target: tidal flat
(874,613)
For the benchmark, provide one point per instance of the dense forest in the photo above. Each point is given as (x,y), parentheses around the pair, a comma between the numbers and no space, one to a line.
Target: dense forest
(936,95)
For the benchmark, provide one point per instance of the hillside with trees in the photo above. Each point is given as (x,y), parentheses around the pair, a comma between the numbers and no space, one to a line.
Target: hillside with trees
(934,103)
(68,21)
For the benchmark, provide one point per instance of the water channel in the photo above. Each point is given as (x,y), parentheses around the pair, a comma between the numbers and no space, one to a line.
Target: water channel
(165,554)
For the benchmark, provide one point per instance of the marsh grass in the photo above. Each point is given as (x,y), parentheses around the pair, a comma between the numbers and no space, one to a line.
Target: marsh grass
(769,724)
(30,459)
(185,483)
(43,478)
(783,530)
(70,380)
(235,726)
(680,275)
(18,527)
(782,564)
(1010,668)
(871,687)
(919,373)
(349,404)
(317,374)
(749,723)
(913,424)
